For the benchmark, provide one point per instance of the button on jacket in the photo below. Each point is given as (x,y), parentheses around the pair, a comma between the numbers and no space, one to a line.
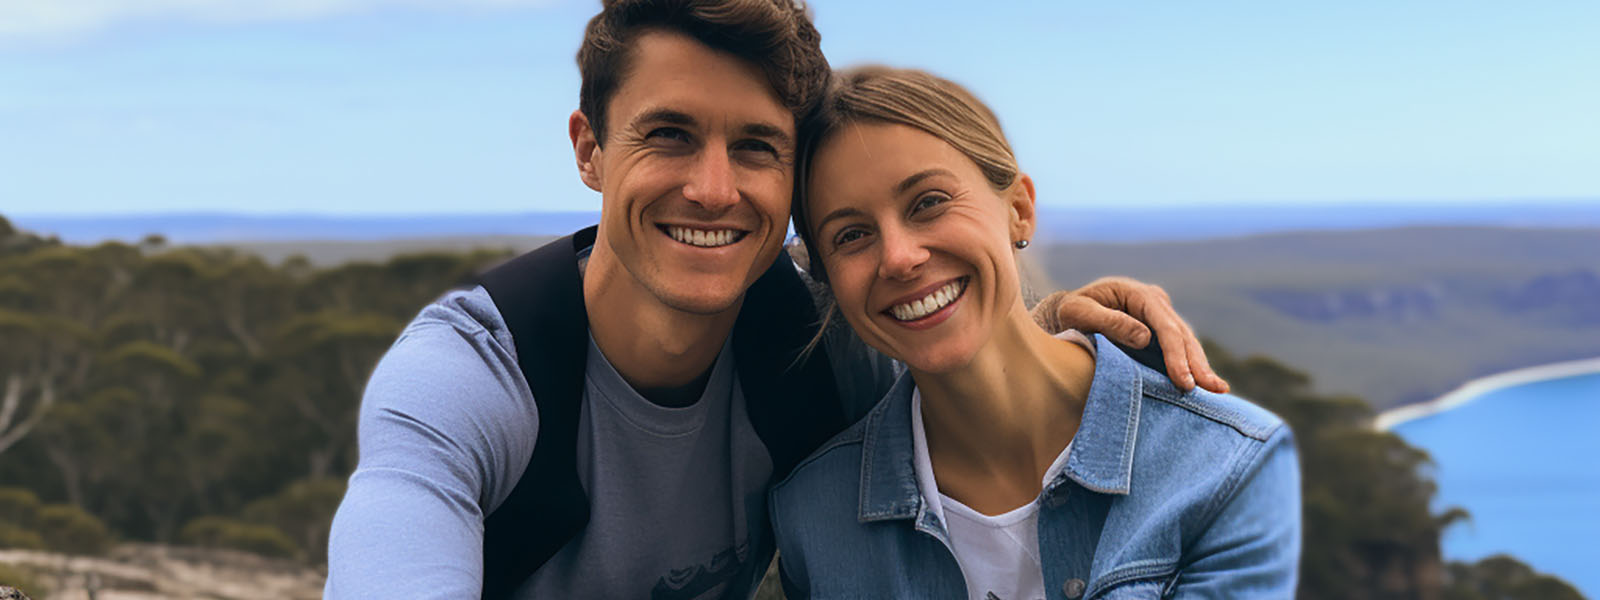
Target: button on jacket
(1165,494)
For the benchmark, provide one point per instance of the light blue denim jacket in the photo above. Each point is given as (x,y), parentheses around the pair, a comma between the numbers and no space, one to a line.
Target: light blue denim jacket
(1164,494)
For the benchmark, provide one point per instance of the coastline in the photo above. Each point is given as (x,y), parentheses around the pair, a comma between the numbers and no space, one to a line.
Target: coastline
(1471,390)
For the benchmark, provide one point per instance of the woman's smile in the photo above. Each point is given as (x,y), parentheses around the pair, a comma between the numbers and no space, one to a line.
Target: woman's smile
(927,308)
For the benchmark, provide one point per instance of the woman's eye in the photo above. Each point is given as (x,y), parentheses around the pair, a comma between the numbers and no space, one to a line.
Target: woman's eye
(929,201)
(847,236)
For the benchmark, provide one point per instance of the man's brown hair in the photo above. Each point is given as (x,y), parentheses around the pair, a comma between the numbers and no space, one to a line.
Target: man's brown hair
(775,35)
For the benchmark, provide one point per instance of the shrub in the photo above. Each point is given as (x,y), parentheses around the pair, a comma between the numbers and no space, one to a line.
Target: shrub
(68,529)
(223,532)
(18,507)
(304,510)
(16,537)
(23,579)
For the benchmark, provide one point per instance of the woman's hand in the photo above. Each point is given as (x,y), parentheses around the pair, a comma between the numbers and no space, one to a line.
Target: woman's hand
(1126,311)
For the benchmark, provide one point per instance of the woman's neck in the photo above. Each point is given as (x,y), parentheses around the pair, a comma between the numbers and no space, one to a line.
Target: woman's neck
(995,425)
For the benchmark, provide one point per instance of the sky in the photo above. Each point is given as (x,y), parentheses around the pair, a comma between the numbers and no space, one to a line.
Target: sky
(372,107)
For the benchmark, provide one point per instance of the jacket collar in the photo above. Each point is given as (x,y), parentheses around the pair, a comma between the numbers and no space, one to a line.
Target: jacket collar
(1101,458)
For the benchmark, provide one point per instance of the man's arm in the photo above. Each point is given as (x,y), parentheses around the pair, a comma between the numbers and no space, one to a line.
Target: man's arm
(1252,548)
(446,427)
(1132,314)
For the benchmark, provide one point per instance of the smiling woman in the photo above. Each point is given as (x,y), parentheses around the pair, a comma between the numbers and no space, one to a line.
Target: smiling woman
(1007,463)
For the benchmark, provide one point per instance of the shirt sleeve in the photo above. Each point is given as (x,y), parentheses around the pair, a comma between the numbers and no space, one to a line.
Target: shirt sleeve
(1252,548)
(447,425)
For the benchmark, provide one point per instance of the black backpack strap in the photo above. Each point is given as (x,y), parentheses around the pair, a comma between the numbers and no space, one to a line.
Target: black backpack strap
(793,405)
(540,296)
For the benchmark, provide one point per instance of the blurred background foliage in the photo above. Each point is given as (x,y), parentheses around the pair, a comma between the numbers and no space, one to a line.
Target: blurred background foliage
(201,396)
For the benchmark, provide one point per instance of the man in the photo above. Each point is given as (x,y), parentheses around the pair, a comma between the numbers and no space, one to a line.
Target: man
(481,474)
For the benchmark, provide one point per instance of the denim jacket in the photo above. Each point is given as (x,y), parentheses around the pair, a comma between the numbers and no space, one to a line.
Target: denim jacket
(1164,494)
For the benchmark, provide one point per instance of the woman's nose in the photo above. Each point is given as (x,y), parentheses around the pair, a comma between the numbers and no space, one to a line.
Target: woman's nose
(903,255)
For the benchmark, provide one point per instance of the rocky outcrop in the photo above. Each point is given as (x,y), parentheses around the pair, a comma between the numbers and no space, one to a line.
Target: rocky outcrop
(150,572)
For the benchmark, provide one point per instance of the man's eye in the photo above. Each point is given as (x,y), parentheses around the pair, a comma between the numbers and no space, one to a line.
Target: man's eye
(756,146)
(672,134)
(929,201)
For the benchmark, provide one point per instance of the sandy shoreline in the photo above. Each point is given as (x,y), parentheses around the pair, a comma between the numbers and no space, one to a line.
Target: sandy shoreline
(1471,390)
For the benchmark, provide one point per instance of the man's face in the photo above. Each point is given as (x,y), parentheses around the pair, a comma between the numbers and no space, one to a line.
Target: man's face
(695,173)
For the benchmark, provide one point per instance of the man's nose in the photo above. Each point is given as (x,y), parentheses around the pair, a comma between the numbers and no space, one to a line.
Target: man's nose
(711,184)
(903,254)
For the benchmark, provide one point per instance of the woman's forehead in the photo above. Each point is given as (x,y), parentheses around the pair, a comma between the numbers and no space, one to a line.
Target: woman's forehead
(864,161)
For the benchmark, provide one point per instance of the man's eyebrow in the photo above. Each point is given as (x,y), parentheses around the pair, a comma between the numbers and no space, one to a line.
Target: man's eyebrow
(838,214)
(768,130)
(905,184)
(664,115)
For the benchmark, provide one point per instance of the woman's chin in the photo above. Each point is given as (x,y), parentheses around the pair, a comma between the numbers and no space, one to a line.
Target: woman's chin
(943,360)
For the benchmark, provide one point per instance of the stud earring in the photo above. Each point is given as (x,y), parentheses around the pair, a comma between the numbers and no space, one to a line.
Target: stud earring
(1022,244)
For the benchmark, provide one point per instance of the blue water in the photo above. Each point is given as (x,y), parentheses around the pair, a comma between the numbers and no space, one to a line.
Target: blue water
(1525,461)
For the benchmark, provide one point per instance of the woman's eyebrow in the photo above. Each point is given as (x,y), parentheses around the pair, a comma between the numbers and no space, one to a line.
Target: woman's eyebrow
(838,214)
(905,184)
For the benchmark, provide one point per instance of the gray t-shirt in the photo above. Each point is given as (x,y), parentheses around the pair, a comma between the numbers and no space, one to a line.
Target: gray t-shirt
(671,492)
(446,428)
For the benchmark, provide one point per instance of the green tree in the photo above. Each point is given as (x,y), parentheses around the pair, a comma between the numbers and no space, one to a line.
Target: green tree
(1502,577)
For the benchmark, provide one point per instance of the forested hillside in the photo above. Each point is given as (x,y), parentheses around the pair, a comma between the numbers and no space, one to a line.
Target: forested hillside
(206,397)
(194,395)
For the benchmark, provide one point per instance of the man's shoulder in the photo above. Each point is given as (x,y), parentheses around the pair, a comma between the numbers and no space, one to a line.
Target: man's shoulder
(469,313)
(456,354)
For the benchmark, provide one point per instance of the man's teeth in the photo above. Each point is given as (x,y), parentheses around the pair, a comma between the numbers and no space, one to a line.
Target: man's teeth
(940,298)
(704,238)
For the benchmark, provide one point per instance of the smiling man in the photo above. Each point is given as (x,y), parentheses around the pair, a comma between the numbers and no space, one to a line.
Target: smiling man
(602,417)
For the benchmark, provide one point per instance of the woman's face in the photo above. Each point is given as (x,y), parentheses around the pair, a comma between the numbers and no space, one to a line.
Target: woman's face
(916,243)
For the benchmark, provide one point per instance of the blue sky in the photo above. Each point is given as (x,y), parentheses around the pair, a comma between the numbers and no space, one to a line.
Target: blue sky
(460,106)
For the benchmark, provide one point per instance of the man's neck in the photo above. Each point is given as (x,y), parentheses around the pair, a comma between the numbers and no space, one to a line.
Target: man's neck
(664,353)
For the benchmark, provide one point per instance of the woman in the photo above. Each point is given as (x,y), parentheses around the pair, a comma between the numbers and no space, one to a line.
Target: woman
(1007,463)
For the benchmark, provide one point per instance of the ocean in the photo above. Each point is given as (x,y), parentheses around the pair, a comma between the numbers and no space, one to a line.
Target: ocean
(1525,461)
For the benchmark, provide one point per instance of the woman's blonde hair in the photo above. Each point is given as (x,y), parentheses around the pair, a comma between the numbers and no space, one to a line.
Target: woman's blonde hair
(910,97)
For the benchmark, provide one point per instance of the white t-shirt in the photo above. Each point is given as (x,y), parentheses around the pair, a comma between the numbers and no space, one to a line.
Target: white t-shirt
(999,555)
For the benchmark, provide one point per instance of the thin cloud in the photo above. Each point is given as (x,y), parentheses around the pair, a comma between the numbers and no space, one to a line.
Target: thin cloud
(65,18)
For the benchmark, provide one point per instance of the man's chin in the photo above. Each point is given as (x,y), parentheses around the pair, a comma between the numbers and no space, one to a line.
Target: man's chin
(705,298)
(701,303)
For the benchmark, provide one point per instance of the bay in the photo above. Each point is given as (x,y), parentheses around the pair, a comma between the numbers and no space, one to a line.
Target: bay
(1525,461)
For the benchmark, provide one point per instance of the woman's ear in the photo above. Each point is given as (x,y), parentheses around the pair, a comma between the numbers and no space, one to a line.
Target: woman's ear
(585,148)
(1023,217)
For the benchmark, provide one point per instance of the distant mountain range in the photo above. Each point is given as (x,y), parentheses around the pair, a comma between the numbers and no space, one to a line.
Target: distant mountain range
(1395,316)
(1063,224)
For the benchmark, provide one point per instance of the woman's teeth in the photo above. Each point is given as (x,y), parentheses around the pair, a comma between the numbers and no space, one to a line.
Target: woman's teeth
(940,298)
(704,238)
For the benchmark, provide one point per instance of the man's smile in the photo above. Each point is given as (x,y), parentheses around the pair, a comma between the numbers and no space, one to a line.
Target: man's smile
(708,237)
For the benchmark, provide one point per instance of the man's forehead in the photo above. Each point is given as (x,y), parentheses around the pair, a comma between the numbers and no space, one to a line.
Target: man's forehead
(673,73)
